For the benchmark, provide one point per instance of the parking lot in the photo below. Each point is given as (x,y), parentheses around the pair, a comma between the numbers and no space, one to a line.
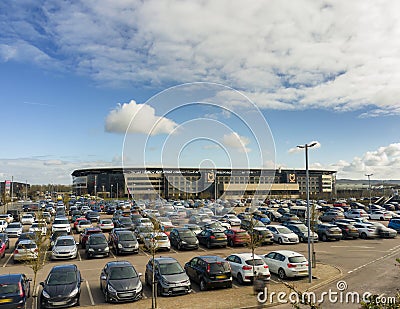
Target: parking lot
(347,255)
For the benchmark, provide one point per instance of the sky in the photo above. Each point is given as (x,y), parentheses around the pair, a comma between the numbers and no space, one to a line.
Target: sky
(199,83)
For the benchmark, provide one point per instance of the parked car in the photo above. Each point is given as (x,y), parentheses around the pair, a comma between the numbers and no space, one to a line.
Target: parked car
(39,227)
(15,213)
(64,248)
(394,224)
(27,219)
(331,216)
(26,236)
(301,230)
(379,215)
(14,229)
(264,219)
(3,225)
(82,224)
(169,276)
(61,224)
(212,238)
(286,263)
(120,282)
(83,237)
(355,213)
(14,290)
(62,287)
(3,247)
(7,217)
(193,227)
(93,216)
(123,241)
(232,219)
(105,225)
(97,245)
(283,235)
(25,250)
(125,222)
(183,238)
(383,231)
(348,230)
(209,272)
(46,216)
(327,231)
(4,239)
(54,237)
(157,241)
(258,230)
(237,237)
(245,267)
(366,230)
(143,232)
(288,217)
(273,215)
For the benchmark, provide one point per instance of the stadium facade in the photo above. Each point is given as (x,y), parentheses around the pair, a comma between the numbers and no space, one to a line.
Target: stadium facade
(150,183)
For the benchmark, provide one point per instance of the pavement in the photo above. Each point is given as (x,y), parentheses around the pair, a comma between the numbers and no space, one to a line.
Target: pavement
(234,299)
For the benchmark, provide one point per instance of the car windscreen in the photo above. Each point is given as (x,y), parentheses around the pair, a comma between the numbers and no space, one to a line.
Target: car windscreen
(127,237)
(65,242)
(161,237)
(255,262)
(61,278)
(98,241)
(241,233)
(283,230)
(297,259)
(84,222)
(121,273)
(170,268)
(125,220)
(14,225)
(9,288)
(61,221)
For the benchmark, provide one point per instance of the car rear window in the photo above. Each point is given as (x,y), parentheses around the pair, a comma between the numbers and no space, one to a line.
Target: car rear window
(11,288)
(241,233)
(219,267)
(219,234)
(297,259)
(255,262)
(27,246)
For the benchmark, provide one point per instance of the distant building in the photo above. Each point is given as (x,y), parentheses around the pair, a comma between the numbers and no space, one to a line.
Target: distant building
(148,183)
(17,189)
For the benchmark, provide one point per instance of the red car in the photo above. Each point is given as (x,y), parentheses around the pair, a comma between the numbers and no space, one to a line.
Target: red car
(85,235)
(237,237)
(2,249)
(77,221)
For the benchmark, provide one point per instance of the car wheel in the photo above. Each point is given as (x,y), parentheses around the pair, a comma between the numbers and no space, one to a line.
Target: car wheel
(324,238)
(203,285)
(281,273)
(117,252)
(229,286)
(382,219)
(179,246)
(301,239)
(208,244)
(158,290)
(240,279)
(78,303)
(231,243)
(88,256)
(280,241)
(363,235)
(146,280)
(106,297)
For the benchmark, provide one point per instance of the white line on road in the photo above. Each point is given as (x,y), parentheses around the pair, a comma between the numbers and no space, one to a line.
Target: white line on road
(8,260)
(90,293)
(79,256)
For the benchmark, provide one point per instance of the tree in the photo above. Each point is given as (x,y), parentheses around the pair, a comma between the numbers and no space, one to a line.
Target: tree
(152,249)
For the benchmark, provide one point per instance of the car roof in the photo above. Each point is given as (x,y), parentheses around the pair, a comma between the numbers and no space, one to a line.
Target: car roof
(165,260)
(288,253)
(246,255)
(64,267)
(211,258)
(10,278)
(26,241)
(66,237)
(119,263)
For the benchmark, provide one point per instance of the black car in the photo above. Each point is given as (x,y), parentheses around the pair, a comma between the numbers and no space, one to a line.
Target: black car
(4,238)
(97,245)
(209,272)
(62,287)
(14,291)
(120,282)
(125,222)
(93,216)
(212,238)
(169,275)
(348,230)
(183,238)
(123,241)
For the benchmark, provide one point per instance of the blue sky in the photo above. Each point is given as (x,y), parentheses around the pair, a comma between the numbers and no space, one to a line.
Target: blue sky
(73,75)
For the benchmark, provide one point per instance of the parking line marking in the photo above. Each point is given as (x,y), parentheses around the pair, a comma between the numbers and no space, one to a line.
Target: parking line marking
(8,260)
(144,252)
(79,255)
(35,303)
(113,255)
(235,286)
(90,293)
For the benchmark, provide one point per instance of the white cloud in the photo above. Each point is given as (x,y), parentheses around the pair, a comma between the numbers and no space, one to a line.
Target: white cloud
(339,55)
(137,118)
(236,141)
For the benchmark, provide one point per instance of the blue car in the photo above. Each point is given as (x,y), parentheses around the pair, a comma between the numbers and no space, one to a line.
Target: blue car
(394,224)
(263,218)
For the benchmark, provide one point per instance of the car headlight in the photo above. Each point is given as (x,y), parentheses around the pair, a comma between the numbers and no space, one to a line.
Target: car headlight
(45,294)
(197,241)
(120,246)
(91,250)
(107,249)
(184,242)
(74,292)
(111,289)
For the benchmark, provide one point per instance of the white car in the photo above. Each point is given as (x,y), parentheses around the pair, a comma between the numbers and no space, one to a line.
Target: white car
(244,267)
(286,263)
(145,222)
(61,224)
(366,230)
(355,213)
(3,225)
(38,227)
(157,241)
(283,235)
(232,219)
(25,250)
(380,215)
(27,219)
(14,229)
(7,217)
(64,248)
(105,225)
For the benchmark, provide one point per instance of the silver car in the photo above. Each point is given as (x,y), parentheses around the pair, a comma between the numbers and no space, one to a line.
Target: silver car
(14,229)
(64,248)
(26,250)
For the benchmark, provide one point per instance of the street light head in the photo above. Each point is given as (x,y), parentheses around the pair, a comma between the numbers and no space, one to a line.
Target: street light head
(301,146)
(312,144)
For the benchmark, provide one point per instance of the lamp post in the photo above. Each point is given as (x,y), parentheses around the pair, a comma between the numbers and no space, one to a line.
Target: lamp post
(305,147)
(369,188)
(111,191)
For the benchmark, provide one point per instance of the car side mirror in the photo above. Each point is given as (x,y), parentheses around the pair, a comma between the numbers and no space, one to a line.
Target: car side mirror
(103,277)
(41,283)
(77,243)
(140,274)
